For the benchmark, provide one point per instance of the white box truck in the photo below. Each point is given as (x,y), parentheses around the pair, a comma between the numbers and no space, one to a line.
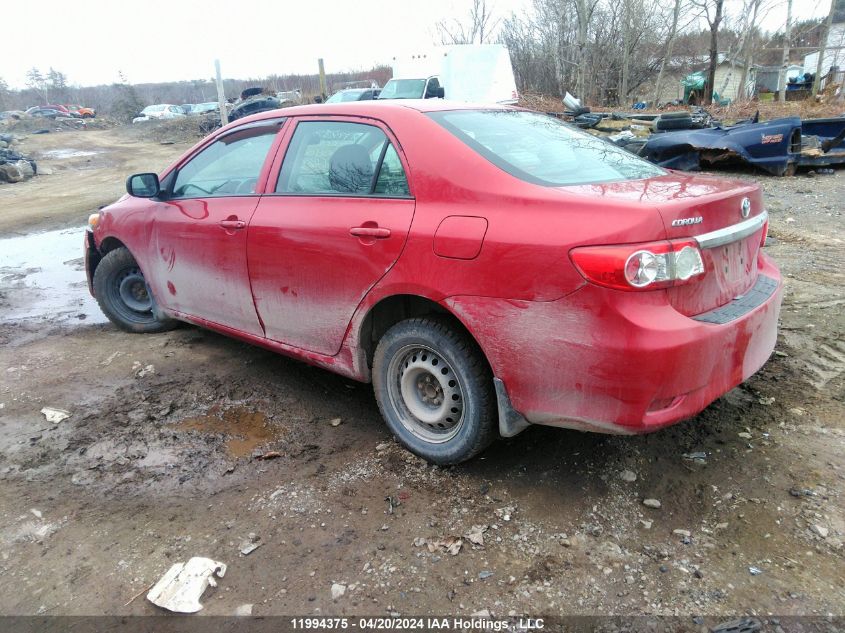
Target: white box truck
(476,73)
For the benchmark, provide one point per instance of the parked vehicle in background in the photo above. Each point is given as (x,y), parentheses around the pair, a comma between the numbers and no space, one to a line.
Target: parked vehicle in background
(205,108)
(289,97)
(12,114)
(46,112)
(81,111)
(159,111)
(486,268)
(187,108)
(60,108)
(473,73)
(254,104)
(354,94)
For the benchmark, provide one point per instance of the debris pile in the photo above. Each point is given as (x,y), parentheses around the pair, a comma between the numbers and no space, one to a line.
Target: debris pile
(692,139)
(14,166)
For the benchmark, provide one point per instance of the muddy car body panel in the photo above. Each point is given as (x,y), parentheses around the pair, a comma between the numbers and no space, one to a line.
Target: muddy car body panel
(321,277)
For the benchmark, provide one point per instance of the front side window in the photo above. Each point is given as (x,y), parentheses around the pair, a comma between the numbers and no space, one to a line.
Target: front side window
(338,158)
(543,150)
(228,167)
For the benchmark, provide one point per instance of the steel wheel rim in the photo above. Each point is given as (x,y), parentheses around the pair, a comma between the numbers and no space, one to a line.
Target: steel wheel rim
(427,393)
(133,291)
(129,296)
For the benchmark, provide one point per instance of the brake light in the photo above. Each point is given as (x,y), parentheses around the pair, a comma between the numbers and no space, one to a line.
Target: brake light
(640,266)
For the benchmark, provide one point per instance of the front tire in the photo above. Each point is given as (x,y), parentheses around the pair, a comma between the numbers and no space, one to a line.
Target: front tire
(435,390)
(124,296)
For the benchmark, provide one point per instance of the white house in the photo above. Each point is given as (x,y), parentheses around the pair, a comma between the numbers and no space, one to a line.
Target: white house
(834,54)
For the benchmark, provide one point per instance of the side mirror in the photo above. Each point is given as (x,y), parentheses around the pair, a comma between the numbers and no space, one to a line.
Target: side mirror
(143,185)
(440,92)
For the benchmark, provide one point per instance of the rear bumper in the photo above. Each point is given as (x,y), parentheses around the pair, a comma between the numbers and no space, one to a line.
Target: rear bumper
(616,362)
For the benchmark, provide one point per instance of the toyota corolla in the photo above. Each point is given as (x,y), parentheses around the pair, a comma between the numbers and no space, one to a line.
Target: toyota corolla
(485,268)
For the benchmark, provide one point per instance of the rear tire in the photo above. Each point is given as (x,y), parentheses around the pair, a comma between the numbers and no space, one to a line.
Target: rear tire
(124,296)
(435,390)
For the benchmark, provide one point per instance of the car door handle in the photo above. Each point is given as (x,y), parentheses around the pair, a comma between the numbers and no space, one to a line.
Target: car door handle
(370,231)
(232,224)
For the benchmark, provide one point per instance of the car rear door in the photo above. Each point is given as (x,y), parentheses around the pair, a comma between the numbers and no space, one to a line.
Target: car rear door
(331,227)
(199,228)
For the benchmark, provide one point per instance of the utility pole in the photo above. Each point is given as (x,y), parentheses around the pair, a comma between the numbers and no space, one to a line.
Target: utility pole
(785,60)
(323,90)
(221,96)
(822,48)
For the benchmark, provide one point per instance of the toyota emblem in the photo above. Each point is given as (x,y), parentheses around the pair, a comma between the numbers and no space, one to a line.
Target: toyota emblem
(745,207)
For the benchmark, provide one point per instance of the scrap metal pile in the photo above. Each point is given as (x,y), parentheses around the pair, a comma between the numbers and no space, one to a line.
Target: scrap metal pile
(690,140)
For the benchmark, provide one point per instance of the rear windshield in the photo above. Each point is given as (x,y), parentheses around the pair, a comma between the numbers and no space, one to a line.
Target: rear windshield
(541,149)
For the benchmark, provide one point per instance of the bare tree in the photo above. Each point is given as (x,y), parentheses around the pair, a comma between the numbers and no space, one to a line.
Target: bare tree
(713,14)
(748,53)
(478,29)
(584,12)
(822,48)
(785,59)
(36,81)
(667,51)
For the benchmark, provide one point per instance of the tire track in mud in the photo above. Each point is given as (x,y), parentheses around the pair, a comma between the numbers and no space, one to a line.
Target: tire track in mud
(827,363)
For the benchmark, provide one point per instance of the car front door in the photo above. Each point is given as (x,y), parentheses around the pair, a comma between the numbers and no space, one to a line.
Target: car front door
(200,226)
(334,225)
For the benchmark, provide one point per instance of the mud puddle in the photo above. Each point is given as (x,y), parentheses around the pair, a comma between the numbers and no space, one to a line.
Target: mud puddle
(42,278)
(245,430)
(59,154)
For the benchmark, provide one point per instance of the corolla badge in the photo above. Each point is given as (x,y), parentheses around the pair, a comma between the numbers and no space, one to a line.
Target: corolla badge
(688,221)
(745,207)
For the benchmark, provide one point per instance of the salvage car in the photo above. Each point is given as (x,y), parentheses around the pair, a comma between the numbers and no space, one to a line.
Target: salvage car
(159,111)
(81,112)
(486,269)
(45,112)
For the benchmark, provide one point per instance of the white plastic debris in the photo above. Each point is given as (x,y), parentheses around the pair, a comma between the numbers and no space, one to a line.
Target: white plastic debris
(55,415)
(181,588)
(338,590)
(571,102)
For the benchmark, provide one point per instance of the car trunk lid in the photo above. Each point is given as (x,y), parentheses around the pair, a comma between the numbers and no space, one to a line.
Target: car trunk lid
(705,208)
(727,223)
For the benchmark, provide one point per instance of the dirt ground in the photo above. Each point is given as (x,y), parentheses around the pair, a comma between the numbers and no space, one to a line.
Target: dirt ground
(157,461)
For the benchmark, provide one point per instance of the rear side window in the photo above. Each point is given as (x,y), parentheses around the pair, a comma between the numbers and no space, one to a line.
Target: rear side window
(339,158)
(543,150)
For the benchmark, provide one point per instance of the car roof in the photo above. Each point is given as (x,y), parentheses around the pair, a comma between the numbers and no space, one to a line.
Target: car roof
(368,108)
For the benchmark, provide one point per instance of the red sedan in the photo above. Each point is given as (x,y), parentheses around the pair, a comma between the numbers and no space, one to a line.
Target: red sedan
(485,268)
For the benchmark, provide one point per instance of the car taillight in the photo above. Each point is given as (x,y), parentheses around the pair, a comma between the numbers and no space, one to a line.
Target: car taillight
(640,266)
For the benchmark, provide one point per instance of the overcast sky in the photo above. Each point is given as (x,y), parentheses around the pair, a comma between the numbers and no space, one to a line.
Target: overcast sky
(169,40)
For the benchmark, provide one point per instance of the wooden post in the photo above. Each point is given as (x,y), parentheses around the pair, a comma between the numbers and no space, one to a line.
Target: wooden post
(822,48)
(323,90)
(782,80)
(221,96)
